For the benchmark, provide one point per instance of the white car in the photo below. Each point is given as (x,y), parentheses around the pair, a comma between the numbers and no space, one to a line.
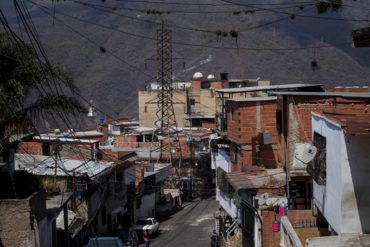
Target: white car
(150,224)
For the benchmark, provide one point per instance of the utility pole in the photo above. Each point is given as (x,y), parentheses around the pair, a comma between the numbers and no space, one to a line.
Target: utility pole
(166,125)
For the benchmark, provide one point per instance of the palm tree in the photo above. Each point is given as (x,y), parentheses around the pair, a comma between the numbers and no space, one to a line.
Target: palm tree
(31,90)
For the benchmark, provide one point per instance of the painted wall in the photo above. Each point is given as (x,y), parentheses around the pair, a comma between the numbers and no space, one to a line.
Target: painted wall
(221,159)
(328,198)
(226,203)
(356,188)
(147,206)
(148,107)
(344,201)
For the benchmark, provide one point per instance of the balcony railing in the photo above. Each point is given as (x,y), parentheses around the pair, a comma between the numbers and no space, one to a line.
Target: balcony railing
(288,236)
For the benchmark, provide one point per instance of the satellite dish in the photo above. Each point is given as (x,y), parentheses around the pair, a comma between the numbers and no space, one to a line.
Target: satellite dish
(263,199)
(306,153)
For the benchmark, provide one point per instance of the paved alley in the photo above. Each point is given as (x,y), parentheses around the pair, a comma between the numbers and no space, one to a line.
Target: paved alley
(191,226)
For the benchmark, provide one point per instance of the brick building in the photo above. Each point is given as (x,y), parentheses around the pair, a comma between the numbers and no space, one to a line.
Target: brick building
(252,133)
(294,125)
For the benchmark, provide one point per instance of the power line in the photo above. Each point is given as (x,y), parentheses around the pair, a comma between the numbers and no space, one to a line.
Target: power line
(176,11)
(204,4)
(203,45)
(131,67)
(300,15)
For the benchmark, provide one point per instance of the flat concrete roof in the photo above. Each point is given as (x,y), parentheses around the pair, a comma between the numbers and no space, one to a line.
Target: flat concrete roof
(265,88)
(344,240)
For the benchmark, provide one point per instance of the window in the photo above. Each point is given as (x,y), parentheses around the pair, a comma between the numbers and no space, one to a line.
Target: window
(279,121)
(104,216)
(46,149)
(222,182)
(138,202)
(317,167)
(145,109)
(232,112)
(234,154)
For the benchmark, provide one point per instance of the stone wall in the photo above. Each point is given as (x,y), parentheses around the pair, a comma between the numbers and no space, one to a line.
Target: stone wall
(19,220)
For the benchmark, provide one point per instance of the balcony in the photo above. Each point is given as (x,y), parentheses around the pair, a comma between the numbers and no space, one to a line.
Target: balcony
(227,203)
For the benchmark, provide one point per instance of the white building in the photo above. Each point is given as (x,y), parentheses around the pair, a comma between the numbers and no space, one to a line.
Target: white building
(341,171)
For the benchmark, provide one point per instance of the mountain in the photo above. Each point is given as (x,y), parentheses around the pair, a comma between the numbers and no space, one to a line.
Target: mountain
(275,38)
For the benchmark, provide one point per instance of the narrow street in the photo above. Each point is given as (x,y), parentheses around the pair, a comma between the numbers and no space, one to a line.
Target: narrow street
(192,226)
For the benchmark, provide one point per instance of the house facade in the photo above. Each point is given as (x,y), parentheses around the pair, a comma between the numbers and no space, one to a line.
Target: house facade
(340,171)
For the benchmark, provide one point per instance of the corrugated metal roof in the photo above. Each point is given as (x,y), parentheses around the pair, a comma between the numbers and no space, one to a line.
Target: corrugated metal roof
(143,153)
(63,139)
(265,88)
(200,116)
(269,178)
(142,130)
(324,94)
(45,166)
(254,99)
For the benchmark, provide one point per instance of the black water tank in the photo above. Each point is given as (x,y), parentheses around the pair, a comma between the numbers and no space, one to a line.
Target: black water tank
(224,76)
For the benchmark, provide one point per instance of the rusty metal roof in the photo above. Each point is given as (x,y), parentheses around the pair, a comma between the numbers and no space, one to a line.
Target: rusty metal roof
(266,178)
(253,99)
(355,124)
(268,88)
(323,94)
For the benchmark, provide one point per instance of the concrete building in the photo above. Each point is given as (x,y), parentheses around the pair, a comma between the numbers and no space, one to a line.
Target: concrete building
(294,126)
(195,102)
(340,170)
(249,163)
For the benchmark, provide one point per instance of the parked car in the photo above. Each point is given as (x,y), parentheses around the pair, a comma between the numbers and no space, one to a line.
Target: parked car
(105,242)
(129,237)
(150,224)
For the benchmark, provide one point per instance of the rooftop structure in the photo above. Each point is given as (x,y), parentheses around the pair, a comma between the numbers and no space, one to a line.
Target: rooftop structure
(45,166)
(295,87)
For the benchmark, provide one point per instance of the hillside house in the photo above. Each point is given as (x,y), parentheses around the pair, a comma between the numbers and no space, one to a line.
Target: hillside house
(340,170)
(294,126)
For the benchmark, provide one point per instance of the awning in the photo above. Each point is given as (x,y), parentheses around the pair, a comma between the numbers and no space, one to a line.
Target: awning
(173,192)
(268,178)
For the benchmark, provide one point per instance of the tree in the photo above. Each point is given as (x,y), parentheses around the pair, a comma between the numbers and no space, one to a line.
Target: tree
(31,90)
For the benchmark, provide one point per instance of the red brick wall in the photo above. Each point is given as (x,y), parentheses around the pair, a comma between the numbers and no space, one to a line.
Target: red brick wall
(30,147)
(130,141)
(243,127)
(298,118)
(267,234)
(244,130)
(209,125)
(270,238)
(185,150)
(216,84)
(70,151)
(196,84)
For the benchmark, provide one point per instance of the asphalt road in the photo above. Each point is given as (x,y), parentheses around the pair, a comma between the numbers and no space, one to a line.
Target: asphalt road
(191,226)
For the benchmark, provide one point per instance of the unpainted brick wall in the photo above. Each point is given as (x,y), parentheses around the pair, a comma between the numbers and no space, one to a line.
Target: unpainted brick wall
(299,123)
(245,127)
(30,147)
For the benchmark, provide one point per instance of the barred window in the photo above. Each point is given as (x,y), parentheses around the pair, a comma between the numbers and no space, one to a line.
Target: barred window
(222,182)
(317,167)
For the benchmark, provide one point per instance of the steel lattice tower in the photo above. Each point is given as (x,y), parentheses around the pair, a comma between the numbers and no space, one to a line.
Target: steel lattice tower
(165,123)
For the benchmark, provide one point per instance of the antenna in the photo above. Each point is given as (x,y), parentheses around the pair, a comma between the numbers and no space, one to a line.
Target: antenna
(304,153)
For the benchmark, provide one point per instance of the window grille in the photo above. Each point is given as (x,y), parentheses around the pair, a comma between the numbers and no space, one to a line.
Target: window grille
(317,167)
